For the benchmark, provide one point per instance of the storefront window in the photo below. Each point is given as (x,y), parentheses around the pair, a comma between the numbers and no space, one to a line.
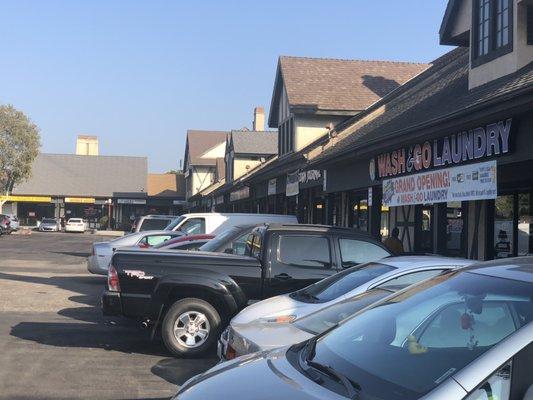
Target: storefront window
(385,221)
(524,224)
(455,227)
(503,226)
(359,212)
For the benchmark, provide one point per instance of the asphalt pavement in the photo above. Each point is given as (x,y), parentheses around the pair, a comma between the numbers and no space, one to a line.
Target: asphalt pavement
(54,341)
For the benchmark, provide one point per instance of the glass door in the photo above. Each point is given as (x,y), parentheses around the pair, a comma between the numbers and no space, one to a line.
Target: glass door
(424,225)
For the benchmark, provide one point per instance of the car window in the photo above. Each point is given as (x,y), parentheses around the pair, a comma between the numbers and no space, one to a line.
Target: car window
(236,246)
(452,326)
(498,386)
(193,226)
(154,240)
(355,252)
(154,224)
(409,279)
(341,283)
(304,251)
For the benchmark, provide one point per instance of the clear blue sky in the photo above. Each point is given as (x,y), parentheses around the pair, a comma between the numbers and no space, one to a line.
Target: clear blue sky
(140,73)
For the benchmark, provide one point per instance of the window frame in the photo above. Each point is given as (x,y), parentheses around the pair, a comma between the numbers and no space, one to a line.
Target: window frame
(493,52)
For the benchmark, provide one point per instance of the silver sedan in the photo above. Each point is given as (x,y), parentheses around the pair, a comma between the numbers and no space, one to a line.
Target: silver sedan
(464,335)
(98,261)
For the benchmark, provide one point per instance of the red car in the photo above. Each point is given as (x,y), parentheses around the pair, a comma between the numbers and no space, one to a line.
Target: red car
(191,242)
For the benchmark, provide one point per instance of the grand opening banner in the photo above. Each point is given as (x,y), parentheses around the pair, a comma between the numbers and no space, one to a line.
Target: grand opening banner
(467,182)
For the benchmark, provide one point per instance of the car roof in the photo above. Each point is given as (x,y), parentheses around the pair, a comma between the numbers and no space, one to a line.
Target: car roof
(159,216)
(318,228)
(413,262)
(239,214)
(516,268)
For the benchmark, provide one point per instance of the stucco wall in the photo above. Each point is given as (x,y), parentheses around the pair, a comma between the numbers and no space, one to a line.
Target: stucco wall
(310,128)
(240,166)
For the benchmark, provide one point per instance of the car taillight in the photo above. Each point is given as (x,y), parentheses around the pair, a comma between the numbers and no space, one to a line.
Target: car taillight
(230,353)
(112,280)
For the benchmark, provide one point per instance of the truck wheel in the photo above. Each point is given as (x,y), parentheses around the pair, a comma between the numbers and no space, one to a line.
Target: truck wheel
(190,327)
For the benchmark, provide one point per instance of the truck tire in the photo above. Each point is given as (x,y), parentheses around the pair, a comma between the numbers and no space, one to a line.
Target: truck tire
(190,327)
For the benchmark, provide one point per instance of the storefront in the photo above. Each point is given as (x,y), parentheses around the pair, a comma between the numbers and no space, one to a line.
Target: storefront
(465,194)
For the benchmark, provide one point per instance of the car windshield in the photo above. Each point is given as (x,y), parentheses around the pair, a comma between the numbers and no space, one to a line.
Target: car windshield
(430,331)
(224,240)
(328,317)
(49,221)
(154,224)
(341,283)
(174,223)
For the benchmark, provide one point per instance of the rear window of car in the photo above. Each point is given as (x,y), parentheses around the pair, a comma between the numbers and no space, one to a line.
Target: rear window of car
(354,252)
(49,221)
(341,283)
(154,224)
(75,220)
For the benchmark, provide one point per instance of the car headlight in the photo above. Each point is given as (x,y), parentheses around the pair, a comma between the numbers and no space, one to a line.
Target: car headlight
(280,319)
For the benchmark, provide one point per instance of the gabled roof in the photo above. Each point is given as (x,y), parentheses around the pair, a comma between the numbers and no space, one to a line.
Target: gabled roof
(333,86)
(445,31)
(166,185)
(94,176)
(199,143)
(437,95)
(254,142)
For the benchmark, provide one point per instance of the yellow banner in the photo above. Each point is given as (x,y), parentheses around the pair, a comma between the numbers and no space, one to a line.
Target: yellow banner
(32,199)
(83,200)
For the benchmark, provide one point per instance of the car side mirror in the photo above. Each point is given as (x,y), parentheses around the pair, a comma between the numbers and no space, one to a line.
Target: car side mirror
(529,394)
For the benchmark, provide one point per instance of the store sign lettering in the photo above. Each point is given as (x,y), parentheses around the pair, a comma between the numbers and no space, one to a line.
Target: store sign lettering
(475,144)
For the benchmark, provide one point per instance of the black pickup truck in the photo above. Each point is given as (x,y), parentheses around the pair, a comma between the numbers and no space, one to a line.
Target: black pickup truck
(191,296)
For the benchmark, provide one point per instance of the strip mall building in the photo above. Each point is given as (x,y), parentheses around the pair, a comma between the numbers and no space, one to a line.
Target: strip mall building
(447,157)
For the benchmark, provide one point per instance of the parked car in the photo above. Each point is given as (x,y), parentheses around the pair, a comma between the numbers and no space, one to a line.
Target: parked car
(215,223)
(14,225)
(191,242)
(192,295)
(75,225)
(101,253)
(465,334)
(272,322)
(50,225)
(5,224)
(152,222)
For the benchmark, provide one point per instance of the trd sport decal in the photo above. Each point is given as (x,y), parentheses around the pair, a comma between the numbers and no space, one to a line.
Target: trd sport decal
(137,274)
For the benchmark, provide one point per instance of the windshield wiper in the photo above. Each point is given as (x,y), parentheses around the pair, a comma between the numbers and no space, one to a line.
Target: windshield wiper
(351,388)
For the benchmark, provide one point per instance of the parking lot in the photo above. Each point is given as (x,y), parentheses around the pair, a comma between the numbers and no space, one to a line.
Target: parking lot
(56,344)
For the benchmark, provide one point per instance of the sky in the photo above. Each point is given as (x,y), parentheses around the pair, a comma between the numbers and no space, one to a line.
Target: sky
(138,74)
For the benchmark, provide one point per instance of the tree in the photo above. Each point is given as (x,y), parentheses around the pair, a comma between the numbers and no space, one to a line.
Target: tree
(19,145)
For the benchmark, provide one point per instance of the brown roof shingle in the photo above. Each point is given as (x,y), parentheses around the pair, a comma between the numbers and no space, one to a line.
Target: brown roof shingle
(199,142)
(166,185)
(342,85)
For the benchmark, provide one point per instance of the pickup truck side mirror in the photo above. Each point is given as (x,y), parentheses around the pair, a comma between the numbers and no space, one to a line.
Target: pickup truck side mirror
(229,250)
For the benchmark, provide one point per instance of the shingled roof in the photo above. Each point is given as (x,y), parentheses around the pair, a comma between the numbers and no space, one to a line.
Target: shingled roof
(342,87)
(166,185)
(439,93)
(255,142)
(94,176)
(199,143)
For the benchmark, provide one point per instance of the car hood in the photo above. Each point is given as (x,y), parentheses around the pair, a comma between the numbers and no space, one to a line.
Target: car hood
(266,336)
(259,376)
(274,306)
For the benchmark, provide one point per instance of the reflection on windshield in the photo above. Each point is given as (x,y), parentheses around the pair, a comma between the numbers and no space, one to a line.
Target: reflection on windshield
(220,240)
(341,283)
(430,331)
(173,224)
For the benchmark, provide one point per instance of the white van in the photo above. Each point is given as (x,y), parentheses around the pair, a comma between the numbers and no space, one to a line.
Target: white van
(214,223)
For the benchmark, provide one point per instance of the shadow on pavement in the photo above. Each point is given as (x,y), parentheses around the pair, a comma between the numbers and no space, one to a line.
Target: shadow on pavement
(177,371)
(72,253)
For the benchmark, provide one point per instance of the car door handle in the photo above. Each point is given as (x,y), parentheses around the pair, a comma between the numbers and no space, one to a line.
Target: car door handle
(283,276)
